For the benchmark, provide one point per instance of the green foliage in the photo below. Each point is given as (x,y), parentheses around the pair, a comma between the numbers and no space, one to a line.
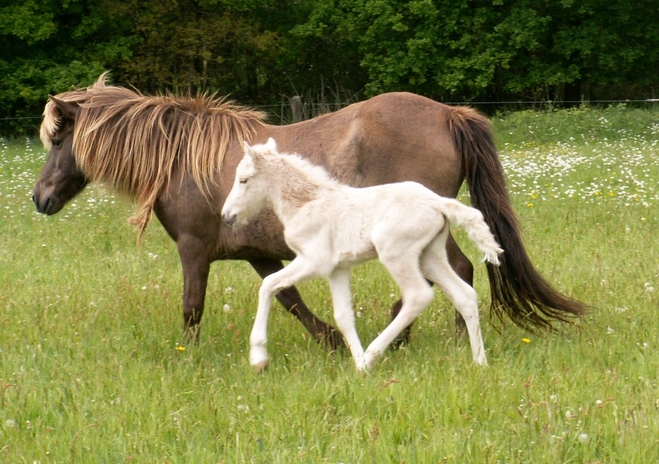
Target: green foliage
(52,46)
(93,367)
(520,49)
(261,51)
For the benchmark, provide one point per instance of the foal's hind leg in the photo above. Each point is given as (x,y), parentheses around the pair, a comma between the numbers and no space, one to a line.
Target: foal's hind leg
(291,300)
(416,295)
(435,266)
(463,267)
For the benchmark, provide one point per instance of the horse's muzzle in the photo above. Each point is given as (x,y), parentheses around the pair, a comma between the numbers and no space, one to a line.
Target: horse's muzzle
(43,207)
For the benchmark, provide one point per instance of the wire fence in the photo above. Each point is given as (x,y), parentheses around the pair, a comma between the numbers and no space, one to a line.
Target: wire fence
(286,112)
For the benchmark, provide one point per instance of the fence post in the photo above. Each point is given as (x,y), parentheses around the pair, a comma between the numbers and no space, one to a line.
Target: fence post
(296,108)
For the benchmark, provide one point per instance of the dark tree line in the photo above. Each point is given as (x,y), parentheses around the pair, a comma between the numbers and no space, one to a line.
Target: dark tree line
(259,51)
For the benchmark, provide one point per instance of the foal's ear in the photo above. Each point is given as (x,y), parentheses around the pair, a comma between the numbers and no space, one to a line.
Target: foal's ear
(67,109)
(271,144)
(247,149)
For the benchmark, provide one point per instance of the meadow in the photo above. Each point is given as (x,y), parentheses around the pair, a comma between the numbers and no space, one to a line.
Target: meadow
(93,367)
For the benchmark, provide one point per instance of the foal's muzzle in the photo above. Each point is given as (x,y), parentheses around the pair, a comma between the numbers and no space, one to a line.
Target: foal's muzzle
(229,220)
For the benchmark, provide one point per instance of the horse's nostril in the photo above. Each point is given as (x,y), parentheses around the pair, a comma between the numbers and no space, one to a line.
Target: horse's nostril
(34,199)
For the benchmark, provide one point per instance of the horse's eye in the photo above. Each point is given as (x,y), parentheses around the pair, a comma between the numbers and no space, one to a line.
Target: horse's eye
(57,143)
(243,180)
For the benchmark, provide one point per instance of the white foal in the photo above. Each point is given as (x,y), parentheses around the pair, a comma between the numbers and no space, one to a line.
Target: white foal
(331,226)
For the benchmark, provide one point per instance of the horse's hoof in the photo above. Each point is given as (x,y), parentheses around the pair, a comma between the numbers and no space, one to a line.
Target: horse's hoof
(331,339)
(191,334)
(402,339)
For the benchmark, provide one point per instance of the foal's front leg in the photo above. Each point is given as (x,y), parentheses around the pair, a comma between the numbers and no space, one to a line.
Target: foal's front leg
(344,315)
(298,270)
(291,300)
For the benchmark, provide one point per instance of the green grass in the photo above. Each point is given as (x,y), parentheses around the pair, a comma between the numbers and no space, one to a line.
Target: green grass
(92,365)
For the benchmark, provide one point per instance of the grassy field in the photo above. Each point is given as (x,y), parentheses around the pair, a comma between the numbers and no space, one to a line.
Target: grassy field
(93,367)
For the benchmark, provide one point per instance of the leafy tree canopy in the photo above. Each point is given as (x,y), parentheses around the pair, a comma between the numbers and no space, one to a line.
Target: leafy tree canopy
(261,51)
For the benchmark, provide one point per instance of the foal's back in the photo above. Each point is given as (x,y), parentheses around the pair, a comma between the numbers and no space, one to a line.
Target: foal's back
(356,224)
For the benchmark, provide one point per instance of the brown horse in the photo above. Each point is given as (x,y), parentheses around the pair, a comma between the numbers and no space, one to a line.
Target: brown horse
(177,157)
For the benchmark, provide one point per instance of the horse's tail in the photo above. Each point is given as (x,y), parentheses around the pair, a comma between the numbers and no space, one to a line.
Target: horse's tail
(472,221)
(516,287)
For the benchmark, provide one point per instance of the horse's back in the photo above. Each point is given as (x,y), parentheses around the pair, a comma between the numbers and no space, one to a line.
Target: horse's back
(389,138)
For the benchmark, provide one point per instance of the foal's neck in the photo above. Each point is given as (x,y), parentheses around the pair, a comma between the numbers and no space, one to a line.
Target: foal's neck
(297,186)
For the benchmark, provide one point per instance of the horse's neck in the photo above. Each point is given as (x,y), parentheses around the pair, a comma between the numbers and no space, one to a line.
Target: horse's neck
(294,189)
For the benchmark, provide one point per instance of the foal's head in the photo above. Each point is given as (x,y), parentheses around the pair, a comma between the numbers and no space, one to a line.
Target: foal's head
(249,193)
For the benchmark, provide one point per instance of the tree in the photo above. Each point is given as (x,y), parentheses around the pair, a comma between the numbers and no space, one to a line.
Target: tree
(496,49)
(50,46)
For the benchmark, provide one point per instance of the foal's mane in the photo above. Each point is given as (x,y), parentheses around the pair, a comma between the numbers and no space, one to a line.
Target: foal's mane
(134,142)
(317,175)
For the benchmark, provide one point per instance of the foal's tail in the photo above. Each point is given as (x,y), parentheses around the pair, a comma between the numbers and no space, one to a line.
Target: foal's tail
(516,287)
(472,221)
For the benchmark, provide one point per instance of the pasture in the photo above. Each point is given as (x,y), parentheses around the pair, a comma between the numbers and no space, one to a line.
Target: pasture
(93,367)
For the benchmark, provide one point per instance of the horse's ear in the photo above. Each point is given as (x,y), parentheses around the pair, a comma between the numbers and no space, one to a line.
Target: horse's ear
(67,109)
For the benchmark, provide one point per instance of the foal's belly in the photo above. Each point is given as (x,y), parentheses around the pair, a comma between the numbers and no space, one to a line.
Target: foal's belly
(355,255)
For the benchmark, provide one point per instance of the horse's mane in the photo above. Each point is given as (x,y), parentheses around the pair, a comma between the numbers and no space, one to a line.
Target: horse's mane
(135,141)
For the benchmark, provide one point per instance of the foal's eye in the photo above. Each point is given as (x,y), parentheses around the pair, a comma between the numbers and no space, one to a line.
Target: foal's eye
(243,180)
(57,143)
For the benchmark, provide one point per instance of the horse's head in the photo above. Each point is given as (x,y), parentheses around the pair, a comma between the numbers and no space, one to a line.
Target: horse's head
(60,179)
(249,193)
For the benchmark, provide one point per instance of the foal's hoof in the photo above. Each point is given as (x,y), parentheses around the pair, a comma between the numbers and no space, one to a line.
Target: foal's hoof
(258,357)
(367,362)
(260,366)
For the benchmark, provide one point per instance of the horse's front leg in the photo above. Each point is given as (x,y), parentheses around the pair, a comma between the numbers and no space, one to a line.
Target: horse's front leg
(196,265)
(291,300)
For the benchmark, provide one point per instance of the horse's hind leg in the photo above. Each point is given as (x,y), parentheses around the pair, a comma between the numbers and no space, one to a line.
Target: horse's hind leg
(291,300)
(435,267)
